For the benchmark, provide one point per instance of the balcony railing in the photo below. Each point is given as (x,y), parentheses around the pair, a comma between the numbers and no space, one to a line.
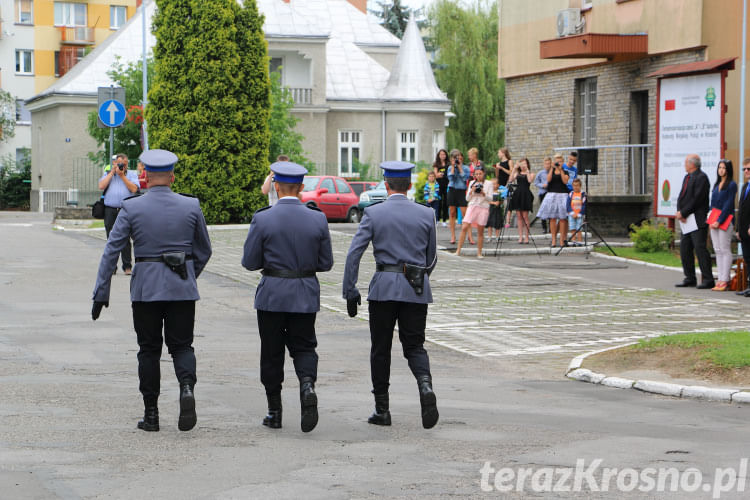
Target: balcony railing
(77,36)
(622,169)
(301,96)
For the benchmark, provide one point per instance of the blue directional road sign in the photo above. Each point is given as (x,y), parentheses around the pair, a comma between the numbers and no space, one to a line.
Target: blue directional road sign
(112,113)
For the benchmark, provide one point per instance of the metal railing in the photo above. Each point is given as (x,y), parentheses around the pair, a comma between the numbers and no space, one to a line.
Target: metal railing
(622,169)
(80,35)
(51,198)
(301,95)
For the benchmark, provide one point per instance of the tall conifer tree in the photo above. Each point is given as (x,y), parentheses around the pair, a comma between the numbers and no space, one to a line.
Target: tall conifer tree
(210,102)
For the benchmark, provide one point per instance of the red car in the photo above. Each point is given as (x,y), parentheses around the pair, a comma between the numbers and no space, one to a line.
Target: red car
(333,195)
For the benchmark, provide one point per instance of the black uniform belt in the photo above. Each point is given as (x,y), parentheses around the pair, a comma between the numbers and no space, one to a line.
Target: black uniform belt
(157,259)
(287,273)
(389,268)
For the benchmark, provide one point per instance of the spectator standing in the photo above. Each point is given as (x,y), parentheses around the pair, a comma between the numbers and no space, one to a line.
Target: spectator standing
(576,210)
(540,181)
(458,176)
(693,200)
(742,224)
(522,200)
(268,185)
(479,196)
(118,184)
(722,200)
(432,193)
(495,220)
(143,184)
(555,205)
(571,168)
(440,167)
(503,169)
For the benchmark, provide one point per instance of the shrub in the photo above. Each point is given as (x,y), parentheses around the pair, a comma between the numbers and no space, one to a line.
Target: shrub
(647,238)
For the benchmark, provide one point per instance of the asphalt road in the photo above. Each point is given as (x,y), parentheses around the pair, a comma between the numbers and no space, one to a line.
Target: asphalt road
(69,399)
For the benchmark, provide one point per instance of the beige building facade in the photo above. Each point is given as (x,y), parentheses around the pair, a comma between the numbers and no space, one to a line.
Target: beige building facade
(577,74)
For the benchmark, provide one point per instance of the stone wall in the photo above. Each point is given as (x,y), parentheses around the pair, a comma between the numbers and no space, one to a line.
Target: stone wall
(539,116)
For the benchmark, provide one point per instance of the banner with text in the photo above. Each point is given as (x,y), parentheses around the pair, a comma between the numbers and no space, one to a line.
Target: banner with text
(689,122)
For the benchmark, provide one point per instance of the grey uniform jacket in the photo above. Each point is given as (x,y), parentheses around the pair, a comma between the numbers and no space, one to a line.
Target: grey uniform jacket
(288,236)
(159,221)
(401,231)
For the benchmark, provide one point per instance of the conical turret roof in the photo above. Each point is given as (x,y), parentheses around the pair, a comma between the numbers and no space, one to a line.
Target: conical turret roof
(411,78)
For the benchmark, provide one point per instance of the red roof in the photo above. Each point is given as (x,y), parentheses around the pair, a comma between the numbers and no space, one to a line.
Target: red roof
(696,67)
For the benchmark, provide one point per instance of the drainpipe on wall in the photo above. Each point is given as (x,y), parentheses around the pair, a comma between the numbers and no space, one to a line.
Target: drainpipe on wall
(742,83)
(145,76)
(382,134)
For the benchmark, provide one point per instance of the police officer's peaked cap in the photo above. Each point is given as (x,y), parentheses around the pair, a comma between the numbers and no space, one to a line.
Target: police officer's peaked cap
(396,168)
(288,172)
(158,160)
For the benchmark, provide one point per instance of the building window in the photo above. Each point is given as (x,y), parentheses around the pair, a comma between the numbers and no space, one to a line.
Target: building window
(438,141)
(275,65)
(70,14)
(25,62)
(585,112)
(407,145)
(350,145)
(22,114)
(24,11)
(117,16)
(68,57)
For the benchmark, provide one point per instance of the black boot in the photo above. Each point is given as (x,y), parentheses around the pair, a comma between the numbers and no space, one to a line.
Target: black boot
(382,415)
(150,420)
(188,417)
(273,419)
(309,404)
(428,401)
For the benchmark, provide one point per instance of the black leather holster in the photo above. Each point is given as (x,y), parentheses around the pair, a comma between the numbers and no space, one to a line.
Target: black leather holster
(176,262)
(415,277)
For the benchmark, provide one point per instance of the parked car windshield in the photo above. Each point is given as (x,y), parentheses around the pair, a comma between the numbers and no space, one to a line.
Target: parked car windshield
(381,186)
(310,183)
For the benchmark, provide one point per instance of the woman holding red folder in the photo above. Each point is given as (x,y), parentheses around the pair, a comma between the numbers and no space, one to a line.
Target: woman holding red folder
(719,220)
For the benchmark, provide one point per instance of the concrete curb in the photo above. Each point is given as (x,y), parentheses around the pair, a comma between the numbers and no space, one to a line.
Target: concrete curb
(575,372)
(640,262)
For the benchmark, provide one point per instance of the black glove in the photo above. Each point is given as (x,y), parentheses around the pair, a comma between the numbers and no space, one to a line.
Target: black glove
(351,305)
(97,309)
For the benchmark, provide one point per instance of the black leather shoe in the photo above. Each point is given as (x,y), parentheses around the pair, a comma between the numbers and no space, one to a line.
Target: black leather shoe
(273,419)
(382,415)
(428,401)
(308,403)
(745,292)
(706,284)
(686,283)
(150,420)
(188,417)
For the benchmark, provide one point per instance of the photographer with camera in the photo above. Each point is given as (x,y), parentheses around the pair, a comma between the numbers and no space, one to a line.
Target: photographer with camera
(479,196)
(118,183)
(555,205)
(458,176)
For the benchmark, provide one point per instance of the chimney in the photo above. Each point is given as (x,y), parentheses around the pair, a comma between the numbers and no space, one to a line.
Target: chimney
(359,4)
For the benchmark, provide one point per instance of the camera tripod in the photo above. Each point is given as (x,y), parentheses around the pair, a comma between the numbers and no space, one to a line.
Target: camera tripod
(585,226)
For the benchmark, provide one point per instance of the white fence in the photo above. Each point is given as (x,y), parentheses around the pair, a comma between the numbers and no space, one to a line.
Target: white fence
(51,198)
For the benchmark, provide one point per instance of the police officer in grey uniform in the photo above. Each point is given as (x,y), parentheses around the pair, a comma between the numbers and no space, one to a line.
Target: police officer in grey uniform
(290,243)
(403,237)
(171,246)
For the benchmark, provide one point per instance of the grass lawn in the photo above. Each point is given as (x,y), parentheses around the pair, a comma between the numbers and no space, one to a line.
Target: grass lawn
(725,349)
(721,358)
(96,223)
(665,258)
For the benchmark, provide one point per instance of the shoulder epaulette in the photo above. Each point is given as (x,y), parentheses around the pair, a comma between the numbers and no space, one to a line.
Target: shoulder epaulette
(134,195)
(188,195)
(313,207)
(261,209)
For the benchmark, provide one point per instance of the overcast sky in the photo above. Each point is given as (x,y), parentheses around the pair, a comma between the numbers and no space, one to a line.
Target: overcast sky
(414,4)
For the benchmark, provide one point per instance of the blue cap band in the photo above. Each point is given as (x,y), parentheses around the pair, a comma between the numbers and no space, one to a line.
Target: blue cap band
(396,173)
(289,179)
(158,169)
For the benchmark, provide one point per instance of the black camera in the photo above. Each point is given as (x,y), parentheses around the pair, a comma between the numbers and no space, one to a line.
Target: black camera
(455,162)
(121,166)
(557,164)
(478,187)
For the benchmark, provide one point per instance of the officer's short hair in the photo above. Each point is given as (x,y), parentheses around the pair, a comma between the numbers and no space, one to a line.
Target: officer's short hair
(398,184)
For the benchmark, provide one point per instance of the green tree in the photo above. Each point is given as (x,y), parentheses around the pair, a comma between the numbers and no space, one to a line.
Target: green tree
(7,115)
(127,138)
(393,16)
(465,39)
(284,139)
(210,102)
(15,182)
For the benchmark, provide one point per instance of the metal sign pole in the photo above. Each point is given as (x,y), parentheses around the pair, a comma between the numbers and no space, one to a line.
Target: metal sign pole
(111,130)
